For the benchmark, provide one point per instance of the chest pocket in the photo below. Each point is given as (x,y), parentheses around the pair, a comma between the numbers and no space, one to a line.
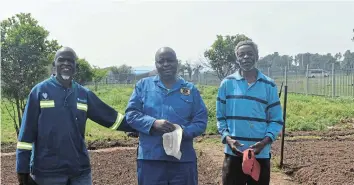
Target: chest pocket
(81,112)
(182,107)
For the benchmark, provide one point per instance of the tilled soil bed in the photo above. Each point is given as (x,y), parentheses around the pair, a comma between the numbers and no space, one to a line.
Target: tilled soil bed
(115,166)
(328,160)
(309,158)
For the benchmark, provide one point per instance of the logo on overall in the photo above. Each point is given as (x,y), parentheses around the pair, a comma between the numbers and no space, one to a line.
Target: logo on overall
(81,100)
(45,96)
(185,91)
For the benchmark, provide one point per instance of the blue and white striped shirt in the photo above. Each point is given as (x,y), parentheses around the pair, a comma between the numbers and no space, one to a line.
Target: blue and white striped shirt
(248,113)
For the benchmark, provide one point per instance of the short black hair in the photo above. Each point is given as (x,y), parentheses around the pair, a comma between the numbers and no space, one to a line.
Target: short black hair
(249,43)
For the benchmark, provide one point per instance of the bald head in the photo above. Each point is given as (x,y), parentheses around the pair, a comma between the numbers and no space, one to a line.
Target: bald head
(66,52)
(65,65)
(165,51)
(166,63)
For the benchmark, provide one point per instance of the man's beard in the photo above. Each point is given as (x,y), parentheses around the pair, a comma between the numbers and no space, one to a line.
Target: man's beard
(65,77)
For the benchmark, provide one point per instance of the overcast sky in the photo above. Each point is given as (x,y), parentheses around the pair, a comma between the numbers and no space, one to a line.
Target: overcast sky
(110,33)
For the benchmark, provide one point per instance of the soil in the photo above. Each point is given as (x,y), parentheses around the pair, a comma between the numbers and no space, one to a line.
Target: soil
(327,159)
(319,161)
(91,145)
(114,166)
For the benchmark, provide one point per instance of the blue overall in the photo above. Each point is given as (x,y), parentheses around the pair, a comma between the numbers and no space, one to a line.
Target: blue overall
(182,105)
(51,141)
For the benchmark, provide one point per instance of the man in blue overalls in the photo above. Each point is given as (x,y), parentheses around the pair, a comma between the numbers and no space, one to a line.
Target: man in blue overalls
(53,127)
(156,104)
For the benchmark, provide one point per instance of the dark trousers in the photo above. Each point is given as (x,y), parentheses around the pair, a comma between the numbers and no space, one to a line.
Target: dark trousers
(232,173)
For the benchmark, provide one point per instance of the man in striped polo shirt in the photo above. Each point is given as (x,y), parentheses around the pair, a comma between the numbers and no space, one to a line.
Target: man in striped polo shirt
(249,116)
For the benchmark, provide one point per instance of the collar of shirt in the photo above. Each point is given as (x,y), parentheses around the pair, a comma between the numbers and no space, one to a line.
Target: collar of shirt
(238,76)
(56,82)
(179,83)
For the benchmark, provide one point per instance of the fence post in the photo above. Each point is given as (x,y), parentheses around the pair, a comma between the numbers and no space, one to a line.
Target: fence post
(286,76)
(284,118)
(307,80)
(333,82)
(269,72)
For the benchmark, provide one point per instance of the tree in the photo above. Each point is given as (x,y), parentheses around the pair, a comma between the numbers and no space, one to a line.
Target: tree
(189,69)
(348,62)
(122,73)
(98,74)
(26,53)
(182,68)
(197,67)
(221,56)
(83,72)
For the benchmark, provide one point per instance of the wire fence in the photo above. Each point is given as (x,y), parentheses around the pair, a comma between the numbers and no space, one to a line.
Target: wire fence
(334,83)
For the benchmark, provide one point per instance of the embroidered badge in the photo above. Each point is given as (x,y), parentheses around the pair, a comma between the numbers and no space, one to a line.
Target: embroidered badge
(81,100)
(185,91)
(45,96)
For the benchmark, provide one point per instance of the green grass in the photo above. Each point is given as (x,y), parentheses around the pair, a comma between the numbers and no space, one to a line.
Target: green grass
(303,112)
(316,113)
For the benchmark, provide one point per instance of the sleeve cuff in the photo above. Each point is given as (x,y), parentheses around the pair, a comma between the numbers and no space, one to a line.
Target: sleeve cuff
(150,122)
(184,134)
(223,138)
(271,136)
(23,161)
(119,120)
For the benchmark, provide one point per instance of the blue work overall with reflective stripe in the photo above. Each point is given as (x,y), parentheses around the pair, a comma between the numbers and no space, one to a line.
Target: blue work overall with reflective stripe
(51,140)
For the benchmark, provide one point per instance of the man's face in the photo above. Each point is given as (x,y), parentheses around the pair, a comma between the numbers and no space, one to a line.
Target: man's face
(246,57)
(166,64)
(65,64)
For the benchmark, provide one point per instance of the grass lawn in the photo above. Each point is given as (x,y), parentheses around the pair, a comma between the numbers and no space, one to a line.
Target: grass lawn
(303,112)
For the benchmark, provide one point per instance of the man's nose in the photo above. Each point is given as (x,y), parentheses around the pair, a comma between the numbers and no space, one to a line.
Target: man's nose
(66,62)
(165,63)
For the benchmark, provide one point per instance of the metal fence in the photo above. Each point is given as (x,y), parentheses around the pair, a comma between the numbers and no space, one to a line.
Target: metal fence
(334,83)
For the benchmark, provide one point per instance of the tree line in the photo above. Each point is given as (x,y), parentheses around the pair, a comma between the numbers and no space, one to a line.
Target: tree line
(222,59)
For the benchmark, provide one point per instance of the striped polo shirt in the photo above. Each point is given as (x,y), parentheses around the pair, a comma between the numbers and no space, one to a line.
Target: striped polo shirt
(248,112)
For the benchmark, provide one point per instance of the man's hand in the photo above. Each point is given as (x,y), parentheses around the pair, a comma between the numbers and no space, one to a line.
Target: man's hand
(23,178)
(163,126)
(233,144)
(258,147)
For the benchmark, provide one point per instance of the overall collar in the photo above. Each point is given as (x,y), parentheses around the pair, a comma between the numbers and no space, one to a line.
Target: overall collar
(56,82)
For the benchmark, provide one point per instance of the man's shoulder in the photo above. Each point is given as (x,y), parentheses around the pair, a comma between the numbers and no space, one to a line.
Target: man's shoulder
(268,80)
(228,79)
(145,81)
(82,88)
(43,84)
